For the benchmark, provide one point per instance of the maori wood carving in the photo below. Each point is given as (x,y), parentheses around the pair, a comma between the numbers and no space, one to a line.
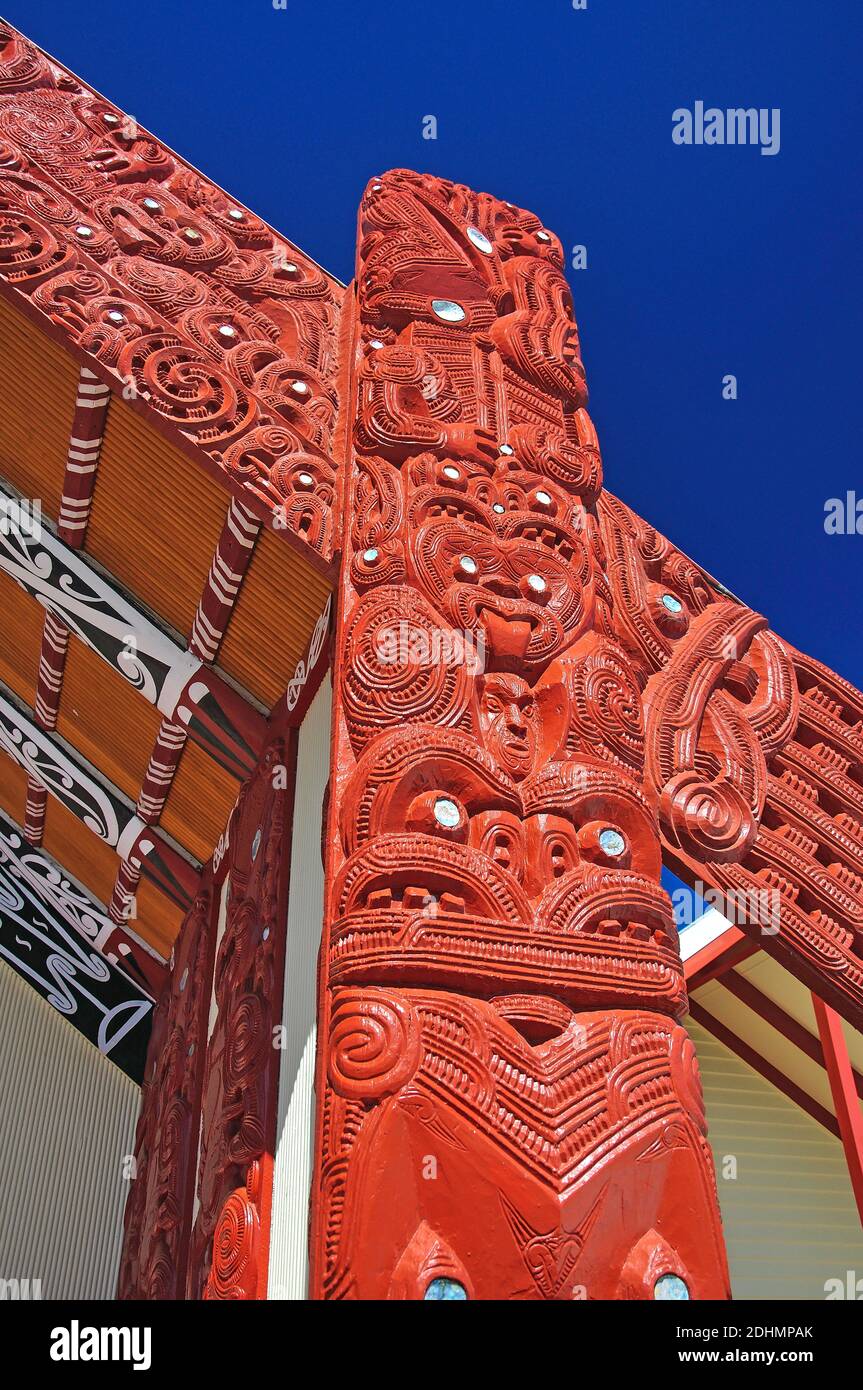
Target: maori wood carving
(755,754)
(158,1208)
(230,1239)
(223,332)
(508,1106)
(198,1214)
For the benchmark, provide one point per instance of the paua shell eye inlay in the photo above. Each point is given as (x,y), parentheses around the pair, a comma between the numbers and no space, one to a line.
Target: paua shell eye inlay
(449,1289)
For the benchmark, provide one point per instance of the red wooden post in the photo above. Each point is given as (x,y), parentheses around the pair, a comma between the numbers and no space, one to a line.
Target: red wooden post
(508,1106)
(844,1090)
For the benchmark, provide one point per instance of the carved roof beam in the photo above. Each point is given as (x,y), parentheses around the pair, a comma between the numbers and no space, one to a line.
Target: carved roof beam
(177,682)
(88,427)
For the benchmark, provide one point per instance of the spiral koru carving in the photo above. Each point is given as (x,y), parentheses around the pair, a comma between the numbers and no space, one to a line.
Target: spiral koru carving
(203,400)
(374,1045)
(404,665)
(706,819)
(234,1271)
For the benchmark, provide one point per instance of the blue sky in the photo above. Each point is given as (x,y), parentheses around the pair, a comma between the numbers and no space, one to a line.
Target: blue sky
(702,261)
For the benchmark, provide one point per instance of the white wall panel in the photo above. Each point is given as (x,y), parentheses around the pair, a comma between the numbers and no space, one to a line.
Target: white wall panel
(67,1124)
(789,1216)
(288,1273)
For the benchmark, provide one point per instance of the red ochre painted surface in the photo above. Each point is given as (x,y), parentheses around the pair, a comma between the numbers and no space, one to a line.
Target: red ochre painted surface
(537,697)
(506,1096)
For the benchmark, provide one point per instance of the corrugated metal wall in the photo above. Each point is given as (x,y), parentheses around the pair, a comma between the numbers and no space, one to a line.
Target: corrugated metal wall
(67,1124)
(288,1273)
(789,1215)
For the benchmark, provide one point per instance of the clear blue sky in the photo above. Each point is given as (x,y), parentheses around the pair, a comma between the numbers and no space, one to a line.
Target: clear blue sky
(702,261)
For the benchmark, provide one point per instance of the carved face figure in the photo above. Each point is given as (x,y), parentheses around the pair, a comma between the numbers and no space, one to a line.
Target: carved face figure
(527,604)
(509,720)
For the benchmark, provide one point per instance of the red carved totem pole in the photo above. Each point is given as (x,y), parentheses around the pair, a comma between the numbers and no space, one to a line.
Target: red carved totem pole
(508,1106)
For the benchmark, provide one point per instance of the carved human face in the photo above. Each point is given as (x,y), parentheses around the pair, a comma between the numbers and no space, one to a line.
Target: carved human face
(527,603)
(509,720)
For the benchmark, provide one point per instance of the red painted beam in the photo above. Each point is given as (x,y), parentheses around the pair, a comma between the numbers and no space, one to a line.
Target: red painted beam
(764,1068)
(841,1075)
(719,955)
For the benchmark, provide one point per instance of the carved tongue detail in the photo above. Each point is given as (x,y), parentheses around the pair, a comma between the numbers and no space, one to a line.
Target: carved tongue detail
(506,638)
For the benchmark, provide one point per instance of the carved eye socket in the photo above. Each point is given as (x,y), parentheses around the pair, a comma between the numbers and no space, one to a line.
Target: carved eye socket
(605,843)
(503,845)
(493,704)
(467,567)
(529,709)
(501,850)
(534,587)
(438,813)
(559,857)
(542,501)
(670,613)
(446,813)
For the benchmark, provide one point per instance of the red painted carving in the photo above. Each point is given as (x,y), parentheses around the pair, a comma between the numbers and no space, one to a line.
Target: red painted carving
(230,1238)
(506,1100)
(206,1137)
(220,329)
(755,754)
(161,1184)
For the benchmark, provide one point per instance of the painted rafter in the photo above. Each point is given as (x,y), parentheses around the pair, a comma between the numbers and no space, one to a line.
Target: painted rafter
(82,458)
(230,563)
(178,683)
(752,1058)
(231,560)
(845,1090)
(771,1013)
(101,807)
(118,944)
(716,957)
(52,935)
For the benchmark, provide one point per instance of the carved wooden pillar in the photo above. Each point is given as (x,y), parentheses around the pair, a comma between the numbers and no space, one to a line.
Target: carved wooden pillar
(156,1222)
(507,1105)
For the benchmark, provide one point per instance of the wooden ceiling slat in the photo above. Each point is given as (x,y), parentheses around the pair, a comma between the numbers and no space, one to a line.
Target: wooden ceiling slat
(13,788)
(156,518)
(94,864)
(68,840)
(201,798)
(157,919)
(273,619)
(21,627)
(38,385)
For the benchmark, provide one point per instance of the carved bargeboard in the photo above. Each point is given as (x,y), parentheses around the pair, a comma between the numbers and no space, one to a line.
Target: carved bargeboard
(754,753)
(222,331)
(507,1106)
